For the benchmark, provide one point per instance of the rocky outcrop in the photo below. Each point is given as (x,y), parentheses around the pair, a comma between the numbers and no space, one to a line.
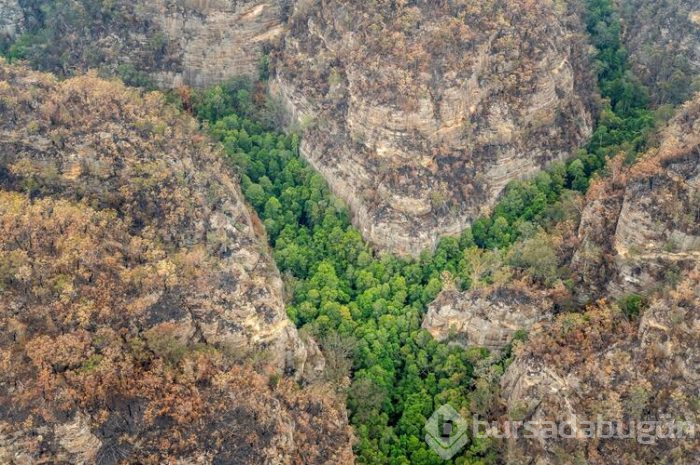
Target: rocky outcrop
(594,257)
(139,301)
(167,42)
(599,363)
(217,39)
(642,225)
(639,235)
(659,222)
(663,39)
(11,20)
(87,140)
(486,317)
(419,115)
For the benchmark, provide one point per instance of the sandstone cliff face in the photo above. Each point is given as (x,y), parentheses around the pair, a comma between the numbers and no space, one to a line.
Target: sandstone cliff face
(137,296)
(193,42)
(639,234)
(599,363)
(663,39)
(11,20)
(594,258)
(216,39)
(418,115)
(643,225)
(486,317)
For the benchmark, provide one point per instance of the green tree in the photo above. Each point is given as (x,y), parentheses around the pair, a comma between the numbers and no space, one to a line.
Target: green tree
(577,176)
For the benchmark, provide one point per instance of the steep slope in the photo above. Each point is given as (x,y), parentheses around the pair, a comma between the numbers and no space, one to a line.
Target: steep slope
(11,21)
(417,119)
(486,317)
(599,363)
(640,235)
(166,42)
(642,225)
(137,297)
(663,38)
(418,113)
(510,290)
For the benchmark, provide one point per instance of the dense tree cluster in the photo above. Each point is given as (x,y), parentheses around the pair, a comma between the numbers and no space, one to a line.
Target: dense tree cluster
(356,304)
(368,307)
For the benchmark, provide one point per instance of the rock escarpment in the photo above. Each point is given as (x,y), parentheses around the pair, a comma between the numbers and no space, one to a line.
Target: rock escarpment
(639,235)
(600,363)
(642,225)
(593,260)
(486,317)
(218,39)
(11,21)
(167,42)
(96,142)
(417,117)
(139,303)
(419,114)
(663,39)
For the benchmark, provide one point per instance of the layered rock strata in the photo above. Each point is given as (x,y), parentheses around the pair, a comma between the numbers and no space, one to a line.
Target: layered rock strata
(419,115)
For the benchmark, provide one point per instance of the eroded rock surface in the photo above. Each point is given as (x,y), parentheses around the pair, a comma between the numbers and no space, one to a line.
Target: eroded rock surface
(486,317)
(418,115)
(663,39)
(169,42)
(141,318)
(11,20)
(91,141)
(600,363)
(642,225)
(216,39)
(658,230)
(639,235)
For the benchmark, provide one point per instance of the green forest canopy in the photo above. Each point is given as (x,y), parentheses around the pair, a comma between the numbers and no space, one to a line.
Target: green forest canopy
(366,309)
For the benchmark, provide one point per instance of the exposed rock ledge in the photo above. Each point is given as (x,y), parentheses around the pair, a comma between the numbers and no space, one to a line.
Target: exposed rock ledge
(642,224)
(11,19)
(216,39)
(486,317)
(419,134)
(600,363)
(173,42)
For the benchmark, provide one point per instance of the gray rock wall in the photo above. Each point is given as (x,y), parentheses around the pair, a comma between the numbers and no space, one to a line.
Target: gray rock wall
(419,134)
